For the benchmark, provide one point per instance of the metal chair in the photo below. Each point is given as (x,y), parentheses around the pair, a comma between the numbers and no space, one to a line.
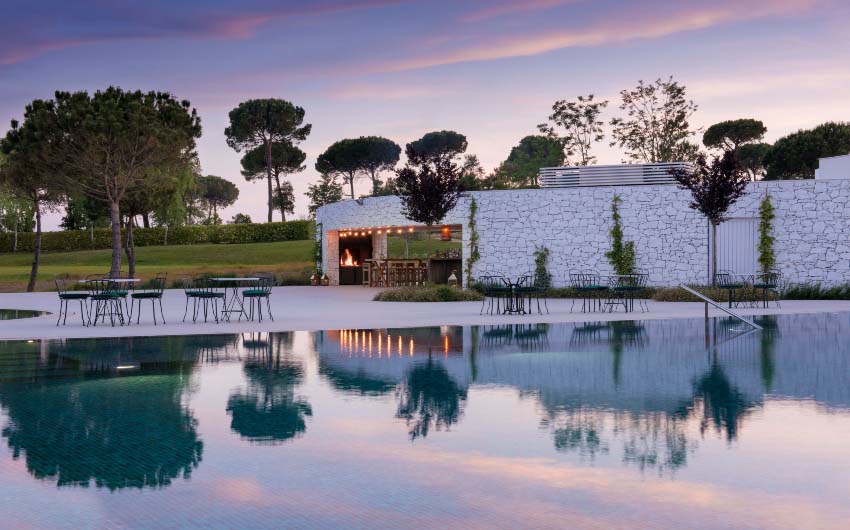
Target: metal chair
(769,281)
(494,290)
(105,301)
(591,287)
(154,294)
(66,296)
(726,280)
(622,289)
(202,292)
(256,294)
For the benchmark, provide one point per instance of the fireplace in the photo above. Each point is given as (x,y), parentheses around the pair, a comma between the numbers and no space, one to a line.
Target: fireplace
(353,251)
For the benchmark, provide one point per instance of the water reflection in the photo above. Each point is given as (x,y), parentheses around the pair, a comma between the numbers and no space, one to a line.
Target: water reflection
(267,409)
(429,398)
(121,432)
(115,413)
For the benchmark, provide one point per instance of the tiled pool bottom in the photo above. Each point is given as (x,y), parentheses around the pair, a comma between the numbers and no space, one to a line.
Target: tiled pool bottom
(659,424)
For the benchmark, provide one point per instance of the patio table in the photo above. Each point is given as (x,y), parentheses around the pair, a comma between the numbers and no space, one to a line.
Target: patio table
(514,303)
(127,281)
(235,299)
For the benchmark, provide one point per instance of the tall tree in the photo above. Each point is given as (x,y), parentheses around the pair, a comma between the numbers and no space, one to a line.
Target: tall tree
(326,191)
(796,156)
(581,124)
(265,122)
(525,160)
(116,142)
(751,158)
(28,147)
(215,192)
(286,159)
(378,155)
(342,159)
(656,126)
(284,199)
(714,188)
(472,174)
(436,146)
(731,134)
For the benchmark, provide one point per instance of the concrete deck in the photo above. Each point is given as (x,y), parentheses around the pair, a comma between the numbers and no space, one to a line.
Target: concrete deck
(316,308)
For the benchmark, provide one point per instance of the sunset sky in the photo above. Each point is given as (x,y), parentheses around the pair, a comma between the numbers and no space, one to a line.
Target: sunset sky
(488,69)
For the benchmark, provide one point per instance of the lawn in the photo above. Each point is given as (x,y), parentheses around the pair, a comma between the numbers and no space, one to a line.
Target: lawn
(290,260)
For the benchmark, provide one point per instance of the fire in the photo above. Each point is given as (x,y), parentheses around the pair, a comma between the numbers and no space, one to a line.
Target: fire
(348,260)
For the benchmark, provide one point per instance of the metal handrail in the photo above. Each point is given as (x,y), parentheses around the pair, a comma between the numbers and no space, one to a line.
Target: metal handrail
(718,306)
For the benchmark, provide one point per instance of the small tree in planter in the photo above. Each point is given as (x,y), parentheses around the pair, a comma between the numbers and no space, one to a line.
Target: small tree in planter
(429,191)
(714,187)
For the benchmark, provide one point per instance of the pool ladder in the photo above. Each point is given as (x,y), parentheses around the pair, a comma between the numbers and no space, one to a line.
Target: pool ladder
(708,300)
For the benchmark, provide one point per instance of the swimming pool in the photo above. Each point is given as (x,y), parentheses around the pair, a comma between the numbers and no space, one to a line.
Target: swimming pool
(659,424)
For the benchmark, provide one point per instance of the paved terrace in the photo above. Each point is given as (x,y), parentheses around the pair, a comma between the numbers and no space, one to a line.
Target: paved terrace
(317,308)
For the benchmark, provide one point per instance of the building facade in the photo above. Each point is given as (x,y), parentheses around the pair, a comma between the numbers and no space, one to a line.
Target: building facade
(812,230)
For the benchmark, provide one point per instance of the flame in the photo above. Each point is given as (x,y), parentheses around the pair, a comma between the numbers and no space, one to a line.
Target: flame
(348,260)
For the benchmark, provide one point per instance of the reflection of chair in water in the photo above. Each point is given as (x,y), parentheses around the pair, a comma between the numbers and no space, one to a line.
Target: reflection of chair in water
(589,333)
(532,336)
(498,335)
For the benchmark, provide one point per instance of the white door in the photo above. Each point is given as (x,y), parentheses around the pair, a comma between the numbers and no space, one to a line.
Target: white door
(737,240)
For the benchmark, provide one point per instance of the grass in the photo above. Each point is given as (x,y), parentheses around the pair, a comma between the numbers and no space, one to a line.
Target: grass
(429,293)
(291,261)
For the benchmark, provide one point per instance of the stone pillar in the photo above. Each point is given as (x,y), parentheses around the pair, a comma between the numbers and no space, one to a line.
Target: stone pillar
(330,255)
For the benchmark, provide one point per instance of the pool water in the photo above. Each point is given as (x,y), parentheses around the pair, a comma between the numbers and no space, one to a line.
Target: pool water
(655,424)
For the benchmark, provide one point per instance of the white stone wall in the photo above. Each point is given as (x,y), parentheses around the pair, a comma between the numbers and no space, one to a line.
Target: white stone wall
(811,229)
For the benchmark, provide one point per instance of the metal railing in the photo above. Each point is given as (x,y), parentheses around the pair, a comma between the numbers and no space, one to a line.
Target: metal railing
(708,300)
(613,175)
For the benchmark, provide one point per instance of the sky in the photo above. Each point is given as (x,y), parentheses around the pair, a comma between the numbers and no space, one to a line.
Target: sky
(488,69)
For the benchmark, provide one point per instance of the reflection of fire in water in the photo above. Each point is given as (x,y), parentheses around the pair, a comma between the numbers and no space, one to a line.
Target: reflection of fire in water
(366,343)
(348,260)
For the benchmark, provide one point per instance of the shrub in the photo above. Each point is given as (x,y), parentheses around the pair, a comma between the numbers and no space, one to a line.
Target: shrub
(73,240)
(677,294)
(430,293)
(814,291)
(570,292)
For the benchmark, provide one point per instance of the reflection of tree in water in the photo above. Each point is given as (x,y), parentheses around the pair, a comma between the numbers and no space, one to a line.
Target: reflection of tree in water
(267,411)
(652,440)
(120,432)
(624,333)
(767,345)
(360,382)
(723,405)
(429,397)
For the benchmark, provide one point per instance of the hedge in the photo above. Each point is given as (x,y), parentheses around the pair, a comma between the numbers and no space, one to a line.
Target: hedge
(72,240)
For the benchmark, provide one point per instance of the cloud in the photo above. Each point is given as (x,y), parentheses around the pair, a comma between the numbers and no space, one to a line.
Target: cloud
(34,30)
(627,26)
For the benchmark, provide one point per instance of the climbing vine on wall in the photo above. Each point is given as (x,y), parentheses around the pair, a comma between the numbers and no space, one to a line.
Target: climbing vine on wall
(622,253)
(474,254)
(542,278)
(767,258)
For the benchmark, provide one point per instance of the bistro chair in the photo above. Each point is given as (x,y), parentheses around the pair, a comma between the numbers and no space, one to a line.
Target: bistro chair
(768,282)
(591,288)
(727,280)
(203,294)
(495,291)
(105,301)
(66,296)
(622,289)
(532,287)
(256,294)
(154,294)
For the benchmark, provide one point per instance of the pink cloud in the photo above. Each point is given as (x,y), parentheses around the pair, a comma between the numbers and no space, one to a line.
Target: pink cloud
(626,27)
(129,24)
